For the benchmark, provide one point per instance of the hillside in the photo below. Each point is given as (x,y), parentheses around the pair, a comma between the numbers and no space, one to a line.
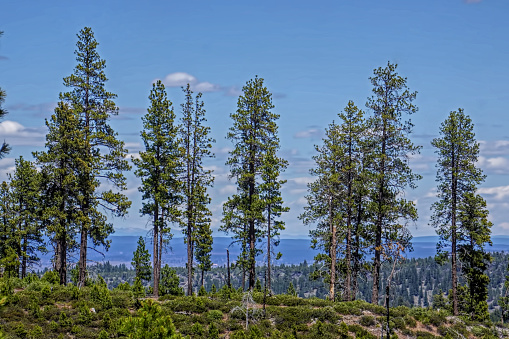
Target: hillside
(38,308)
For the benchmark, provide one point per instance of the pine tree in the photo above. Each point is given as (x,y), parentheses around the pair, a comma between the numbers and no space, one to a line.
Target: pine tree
(457,178)
(159,168)
(59,184)
(475,234)
(103,155)
(270,193)
(4,148)
(389,166)
(196,145)
(170,284)
(203,248)
(254,135)
(353,188)
(9,240)
(323,205)
(25,205)
(141,261)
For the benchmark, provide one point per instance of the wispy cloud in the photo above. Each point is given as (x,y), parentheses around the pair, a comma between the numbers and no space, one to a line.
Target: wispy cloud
(312,132)
(41,110)
(472,1)
(497,147)
(15,133)
(499,193)
(180,79)
(496,165)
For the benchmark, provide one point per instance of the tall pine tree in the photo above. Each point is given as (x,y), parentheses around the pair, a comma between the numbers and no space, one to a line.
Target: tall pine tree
(26,201)
(59,184)
(389,165)
(254,135)
(196,144)
(457,178)
(323,207)
(270,193)
(159,168)
(102,157)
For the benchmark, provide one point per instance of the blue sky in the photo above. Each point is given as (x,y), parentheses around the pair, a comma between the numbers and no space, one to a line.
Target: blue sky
(313,57)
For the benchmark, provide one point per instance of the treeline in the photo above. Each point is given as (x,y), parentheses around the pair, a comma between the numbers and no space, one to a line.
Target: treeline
(420,282)
(357,201)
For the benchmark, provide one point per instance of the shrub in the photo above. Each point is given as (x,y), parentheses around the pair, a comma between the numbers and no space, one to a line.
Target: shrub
(367,320)
(213,332)
(36,332)
(399,323)
(347,308)
(360,332)
(410,321)
(20,330)
(51,277)
(202,292)
(197,329)
(325,314)
(214,315)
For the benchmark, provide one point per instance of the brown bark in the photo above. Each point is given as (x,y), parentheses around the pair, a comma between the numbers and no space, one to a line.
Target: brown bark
(332,226)
(155,255)
(454,266)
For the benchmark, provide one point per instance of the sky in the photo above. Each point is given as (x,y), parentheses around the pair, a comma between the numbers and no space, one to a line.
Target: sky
(313,57)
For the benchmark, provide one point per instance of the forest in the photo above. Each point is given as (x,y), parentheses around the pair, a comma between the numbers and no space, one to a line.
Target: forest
(62,201)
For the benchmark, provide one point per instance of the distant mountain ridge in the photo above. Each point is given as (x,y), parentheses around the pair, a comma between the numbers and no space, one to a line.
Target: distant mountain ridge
(295,251)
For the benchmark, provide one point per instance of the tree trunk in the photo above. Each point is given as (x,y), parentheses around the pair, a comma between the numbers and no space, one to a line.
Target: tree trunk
(454,266)
(332,249)
(379,223)
(83,258)
(228,269)
(268,250)
(155,255)
(189,254)
(24,260)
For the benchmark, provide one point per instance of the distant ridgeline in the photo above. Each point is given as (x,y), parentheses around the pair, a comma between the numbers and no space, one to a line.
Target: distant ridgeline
(295,251)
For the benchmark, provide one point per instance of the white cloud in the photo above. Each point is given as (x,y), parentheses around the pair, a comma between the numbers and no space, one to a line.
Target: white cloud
(181,79)
(15,134)
(312,132)
(497,165)
(228,189)
(302,180)
(497,147)
(498,192)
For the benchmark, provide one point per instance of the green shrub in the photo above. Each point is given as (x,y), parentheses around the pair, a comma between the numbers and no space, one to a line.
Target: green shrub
(36,332)
(197,329)
(424,335)
(53,326)
(103,335)
(20,330)
(347,308)
(399,323)
(214,315)
(213,331)
(360,332)
(202,292)
(51,277)
(325,314)
(367,321)
(410,321)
